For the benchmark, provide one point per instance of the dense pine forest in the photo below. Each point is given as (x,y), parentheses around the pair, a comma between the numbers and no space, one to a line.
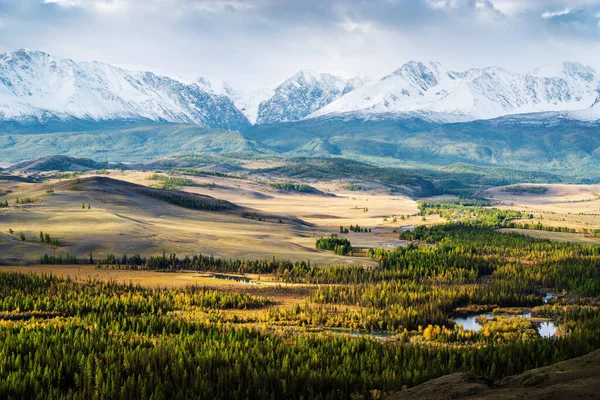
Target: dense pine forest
(351,332)
(65,339)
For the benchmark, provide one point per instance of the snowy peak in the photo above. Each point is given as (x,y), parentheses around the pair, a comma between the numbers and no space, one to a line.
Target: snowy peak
(248,101)
(293,99)
(354,83)
(569,70)
(39,86)
(307,78)
(419,74)
(302,94)
(429,88)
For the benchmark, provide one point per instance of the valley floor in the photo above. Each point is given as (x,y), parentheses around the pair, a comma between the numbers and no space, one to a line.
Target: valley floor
(225,274)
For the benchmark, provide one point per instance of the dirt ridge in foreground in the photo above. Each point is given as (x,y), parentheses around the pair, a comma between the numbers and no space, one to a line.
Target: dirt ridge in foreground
(578,378)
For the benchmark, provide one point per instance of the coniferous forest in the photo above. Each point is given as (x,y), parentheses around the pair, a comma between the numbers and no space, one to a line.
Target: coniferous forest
(358,332)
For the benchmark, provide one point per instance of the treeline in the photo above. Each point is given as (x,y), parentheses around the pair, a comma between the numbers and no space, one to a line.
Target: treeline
(538,226)
(186,201)
(569,266)
(170,182)
(354,228)
(518,189)
(24,200)
(200,262)
(353,187)
(52,294)
(290,186)
(198,172)
(58,259)
(462,254)
(472,211)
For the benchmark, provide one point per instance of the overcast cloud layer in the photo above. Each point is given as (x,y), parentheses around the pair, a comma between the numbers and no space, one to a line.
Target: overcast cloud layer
(251,42)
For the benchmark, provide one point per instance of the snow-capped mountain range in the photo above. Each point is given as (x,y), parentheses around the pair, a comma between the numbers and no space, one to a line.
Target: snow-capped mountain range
(474,94)
(38,86)
(294,99)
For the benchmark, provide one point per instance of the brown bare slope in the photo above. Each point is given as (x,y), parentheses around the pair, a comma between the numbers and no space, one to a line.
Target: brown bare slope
(103,215)
(102,184)
(578,378)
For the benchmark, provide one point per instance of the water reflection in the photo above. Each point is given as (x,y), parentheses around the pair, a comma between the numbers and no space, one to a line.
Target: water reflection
(549,297)
(234,278)
(381,335)
(546,329)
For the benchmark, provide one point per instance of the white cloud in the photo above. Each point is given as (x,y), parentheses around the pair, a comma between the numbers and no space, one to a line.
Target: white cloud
(247,41)
(443,4)
(552,14)
(103,6)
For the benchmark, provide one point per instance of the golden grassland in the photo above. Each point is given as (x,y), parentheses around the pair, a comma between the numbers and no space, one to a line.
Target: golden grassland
(556,236)
(571,206)
(145,278)
(121,222)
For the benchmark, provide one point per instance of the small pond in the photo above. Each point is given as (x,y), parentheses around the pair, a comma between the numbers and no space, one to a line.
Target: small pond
(546,329)
(381,335)
(241,279)
(401,243)
(549,297)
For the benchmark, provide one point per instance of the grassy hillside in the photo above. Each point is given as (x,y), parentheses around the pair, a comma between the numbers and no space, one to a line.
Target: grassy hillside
(137,142)
(62,163)
(557,145)
(543,147)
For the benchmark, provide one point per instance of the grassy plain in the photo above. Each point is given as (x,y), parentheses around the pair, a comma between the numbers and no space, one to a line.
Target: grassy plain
(560,205)
(281,224)
(121,221)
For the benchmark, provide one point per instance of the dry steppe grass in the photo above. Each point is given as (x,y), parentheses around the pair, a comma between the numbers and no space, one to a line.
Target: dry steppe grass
(121,221)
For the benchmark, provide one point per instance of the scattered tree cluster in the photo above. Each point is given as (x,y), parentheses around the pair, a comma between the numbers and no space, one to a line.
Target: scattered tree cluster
(46,238)
(339,246)
(353,228)
(290,186)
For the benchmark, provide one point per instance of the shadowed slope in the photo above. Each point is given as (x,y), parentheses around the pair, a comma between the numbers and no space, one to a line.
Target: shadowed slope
(577,378)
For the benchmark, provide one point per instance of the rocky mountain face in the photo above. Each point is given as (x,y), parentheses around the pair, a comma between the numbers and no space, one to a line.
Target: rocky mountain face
(35,85)
(303,94)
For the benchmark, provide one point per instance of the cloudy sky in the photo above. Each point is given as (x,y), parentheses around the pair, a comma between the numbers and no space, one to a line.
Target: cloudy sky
(251,42)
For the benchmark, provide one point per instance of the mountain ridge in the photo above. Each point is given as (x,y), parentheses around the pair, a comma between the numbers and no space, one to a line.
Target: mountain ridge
(474,94)
(38,87)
